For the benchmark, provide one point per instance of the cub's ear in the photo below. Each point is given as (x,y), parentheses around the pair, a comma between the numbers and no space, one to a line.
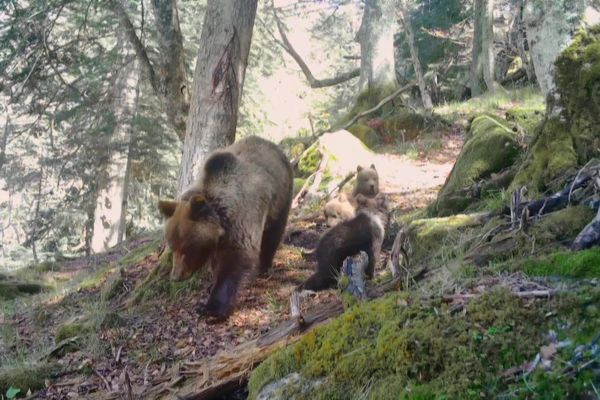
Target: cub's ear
(219,161)
(167,207)
(373,167)
(359,168)
(199,208)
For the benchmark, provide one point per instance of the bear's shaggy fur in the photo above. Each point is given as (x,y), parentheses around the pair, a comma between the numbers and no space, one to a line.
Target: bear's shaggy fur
(233,218)
(365,232)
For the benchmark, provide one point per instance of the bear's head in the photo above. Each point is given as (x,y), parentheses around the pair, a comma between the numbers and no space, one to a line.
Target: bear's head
(192,230)
(338,209)
(367,181)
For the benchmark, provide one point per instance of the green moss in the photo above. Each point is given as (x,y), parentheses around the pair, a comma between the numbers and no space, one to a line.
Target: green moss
(26,377)
(366,134)
(414,350)
(138,254)
(552,153)
(309,162)
(572,138)
(13,289)
(583,264)
(527,118)
(490,148)
(298,183)
(70,330)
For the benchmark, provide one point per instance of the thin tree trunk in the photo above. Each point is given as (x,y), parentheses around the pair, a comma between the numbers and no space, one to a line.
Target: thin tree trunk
(172,73)
(218,83)
(487,44)
(376,38)
(169,81)
(414,54)
(477,54)
(483,61)
(108,214)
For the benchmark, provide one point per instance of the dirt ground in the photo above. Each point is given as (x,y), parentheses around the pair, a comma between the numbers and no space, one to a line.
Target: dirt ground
(150,338)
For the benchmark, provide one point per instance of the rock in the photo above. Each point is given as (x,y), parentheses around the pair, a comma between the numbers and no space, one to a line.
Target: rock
(290,386)
(490,147)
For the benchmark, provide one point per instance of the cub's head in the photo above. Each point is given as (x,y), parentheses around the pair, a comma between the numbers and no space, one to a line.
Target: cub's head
(338,210)
(192,231)
(367,181)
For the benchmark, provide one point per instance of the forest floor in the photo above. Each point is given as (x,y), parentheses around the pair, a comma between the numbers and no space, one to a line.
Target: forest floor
(143,341)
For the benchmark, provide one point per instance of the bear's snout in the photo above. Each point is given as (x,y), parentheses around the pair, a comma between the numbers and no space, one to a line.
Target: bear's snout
(180,270)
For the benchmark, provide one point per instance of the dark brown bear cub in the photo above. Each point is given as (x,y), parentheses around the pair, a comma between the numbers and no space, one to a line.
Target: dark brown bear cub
(364,232)
(233,218)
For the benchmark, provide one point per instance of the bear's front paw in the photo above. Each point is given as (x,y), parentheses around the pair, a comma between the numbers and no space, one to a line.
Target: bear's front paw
(215,312)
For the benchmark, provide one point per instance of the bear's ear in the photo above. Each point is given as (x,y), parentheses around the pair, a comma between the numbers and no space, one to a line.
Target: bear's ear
(167,207)
(199,207)
(373,167)
(359,168)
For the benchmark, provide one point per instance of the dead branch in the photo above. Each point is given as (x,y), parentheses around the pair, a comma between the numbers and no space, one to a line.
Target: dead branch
(383,102)
(312,81)
(354,268)
(340,185)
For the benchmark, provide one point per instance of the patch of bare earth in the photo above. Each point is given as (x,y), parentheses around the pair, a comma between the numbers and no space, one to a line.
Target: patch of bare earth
(154,337)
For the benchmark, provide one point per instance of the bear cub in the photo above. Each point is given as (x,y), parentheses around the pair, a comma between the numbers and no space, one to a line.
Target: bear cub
(365,232)
(233,218)
(342,207)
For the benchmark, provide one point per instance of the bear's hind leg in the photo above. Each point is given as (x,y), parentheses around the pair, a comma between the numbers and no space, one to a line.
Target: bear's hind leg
(271,238)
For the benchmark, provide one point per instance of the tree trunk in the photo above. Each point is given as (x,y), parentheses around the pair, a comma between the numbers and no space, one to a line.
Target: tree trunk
(218,83)
(376,38)
(169,82)
(487,45)
(483,57)
(414,54)
(171,74)
(108,214)
(551,27)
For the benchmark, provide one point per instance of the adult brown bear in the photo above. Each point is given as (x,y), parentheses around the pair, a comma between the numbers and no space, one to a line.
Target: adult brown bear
(233,218)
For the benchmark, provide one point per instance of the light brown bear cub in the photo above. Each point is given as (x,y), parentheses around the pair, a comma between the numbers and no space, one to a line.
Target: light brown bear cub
(367,181)
(342,207)
(233,218)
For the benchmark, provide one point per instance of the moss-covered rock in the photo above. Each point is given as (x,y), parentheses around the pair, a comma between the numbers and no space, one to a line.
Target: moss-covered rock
(491,147)
(429,236)
(309,161)
(570,135)
(366,134)
(528,119)
(26,377)
(401,348)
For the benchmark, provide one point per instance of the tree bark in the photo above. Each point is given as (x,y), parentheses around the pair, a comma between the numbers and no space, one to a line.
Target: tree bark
(376,38)
(487,44)
(477,53)
(108,213)
(218,83)
(172,63)
(414,54)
